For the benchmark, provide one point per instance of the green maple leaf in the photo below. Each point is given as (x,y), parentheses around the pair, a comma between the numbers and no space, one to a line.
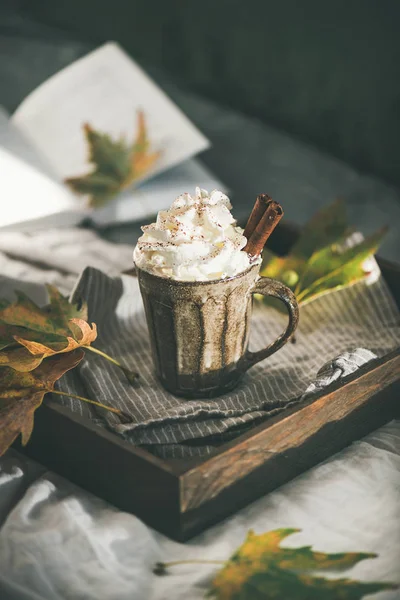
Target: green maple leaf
(117,164)
(24,317)
(28,333)
(324,227)
(260,569)
(319,261)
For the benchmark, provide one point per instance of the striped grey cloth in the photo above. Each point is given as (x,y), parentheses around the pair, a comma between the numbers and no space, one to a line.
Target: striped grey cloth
(364,315)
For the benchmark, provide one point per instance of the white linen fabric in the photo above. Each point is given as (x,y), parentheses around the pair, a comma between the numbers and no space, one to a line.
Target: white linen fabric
(58,542)
(57,256)
(341,366)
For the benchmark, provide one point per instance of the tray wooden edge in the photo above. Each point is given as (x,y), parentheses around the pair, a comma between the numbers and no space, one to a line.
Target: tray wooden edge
(293,441)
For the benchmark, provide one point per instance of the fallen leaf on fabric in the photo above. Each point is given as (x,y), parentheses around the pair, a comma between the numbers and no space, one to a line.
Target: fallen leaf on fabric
(262,569)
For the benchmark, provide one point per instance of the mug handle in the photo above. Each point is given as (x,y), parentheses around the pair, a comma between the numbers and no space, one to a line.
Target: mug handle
(271,287)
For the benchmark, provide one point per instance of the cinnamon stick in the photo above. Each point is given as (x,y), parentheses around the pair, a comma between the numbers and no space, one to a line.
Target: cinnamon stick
(255,217)
(270,218)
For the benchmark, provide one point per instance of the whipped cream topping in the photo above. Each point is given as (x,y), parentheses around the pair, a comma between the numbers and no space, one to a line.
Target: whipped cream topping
(197,239)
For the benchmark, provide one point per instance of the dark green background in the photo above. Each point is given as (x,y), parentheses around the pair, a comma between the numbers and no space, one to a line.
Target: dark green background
(327,72)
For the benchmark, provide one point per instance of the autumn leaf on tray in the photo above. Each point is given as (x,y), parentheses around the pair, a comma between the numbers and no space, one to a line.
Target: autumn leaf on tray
(37,346)
(322,260)
(28,333)
(260,568)
(22,393)
(117,164)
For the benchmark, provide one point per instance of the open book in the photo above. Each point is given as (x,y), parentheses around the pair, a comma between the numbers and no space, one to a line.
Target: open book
(43,143)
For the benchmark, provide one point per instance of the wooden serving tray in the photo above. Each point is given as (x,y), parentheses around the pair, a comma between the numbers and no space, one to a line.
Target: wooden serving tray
(182,497)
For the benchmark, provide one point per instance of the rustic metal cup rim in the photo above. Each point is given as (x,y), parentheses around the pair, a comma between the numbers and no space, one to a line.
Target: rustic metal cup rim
(181,282)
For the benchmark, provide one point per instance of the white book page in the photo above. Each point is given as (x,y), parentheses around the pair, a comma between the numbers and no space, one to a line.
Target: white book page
(30,196)
(29,199)
(157,194)
(16,143)
(105,89)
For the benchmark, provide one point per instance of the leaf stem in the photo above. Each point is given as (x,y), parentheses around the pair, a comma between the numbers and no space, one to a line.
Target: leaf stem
(192,562)
(110,408)
(131,375)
